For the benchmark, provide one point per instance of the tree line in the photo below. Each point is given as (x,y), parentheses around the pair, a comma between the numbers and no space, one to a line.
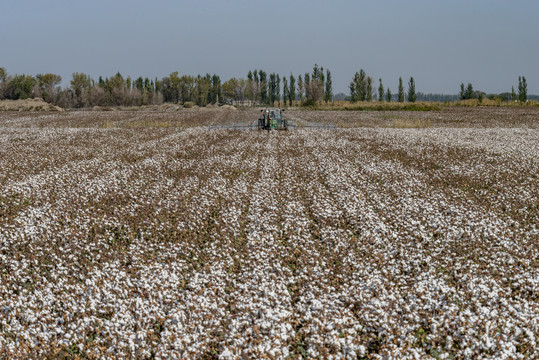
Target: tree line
(83,91)
(362,89)
(259,87)
(468,92)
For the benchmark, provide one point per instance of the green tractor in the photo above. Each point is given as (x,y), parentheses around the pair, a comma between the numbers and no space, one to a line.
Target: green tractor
(272,119)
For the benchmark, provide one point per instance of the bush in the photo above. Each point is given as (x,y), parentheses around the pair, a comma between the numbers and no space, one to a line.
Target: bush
(308,103)
(188,104)
(20,87)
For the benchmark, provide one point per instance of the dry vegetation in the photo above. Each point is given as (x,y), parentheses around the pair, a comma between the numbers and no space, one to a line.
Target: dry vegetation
(36,104)
(137,234)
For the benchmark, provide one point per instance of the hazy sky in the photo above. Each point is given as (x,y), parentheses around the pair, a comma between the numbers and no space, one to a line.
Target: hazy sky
(440,43)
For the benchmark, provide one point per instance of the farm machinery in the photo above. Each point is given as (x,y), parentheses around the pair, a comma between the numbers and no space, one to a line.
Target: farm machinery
(273,119)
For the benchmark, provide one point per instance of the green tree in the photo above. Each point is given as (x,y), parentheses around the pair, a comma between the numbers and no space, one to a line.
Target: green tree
(250,86)
(20,87)
(235,89)
(148,85)
(329,87)
(80,83)
(292,93)
(353,91)
(157,84)
(278,89)
(47,85)
(263,87)
(256,86)
(301,88)
(522,89)
(215,92)
(316,85)
(307,86)
(186,88)
(400,94)
(462,93)
(272,88)
(481,96)
(115,91)
(321,86)
(361,85)
(286,90)
(412,96)
(469,93)
(170,87)
(3,84)
(513,94)
(369,90)
(202,89)
(139,83)
(380,90)
(388,95)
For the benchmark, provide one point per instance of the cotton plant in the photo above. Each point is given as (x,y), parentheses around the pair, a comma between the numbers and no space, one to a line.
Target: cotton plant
(129,241)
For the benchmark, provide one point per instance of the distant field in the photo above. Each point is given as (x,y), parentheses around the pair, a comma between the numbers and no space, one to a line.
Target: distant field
(143,234)
(453,117)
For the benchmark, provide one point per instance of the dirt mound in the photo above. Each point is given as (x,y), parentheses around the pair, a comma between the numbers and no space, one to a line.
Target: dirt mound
(228,107)
(36,104)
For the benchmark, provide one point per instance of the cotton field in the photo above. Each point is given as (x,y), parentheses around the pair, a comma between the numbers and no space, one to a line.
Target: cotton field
(140,235)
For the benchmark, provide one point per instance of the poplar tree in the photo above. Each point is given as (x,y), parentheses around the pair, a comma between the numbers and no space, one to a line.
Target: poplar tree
(215,89)
(307,85)
(285,90)
(353,91)
(401,91)
(329,87)
(250,87)
(292,92)
(522,89)
(272,88)
(263,87)
(411,90)
(361,86)
(469,93)
(157,84)
(256,85)
(301,88)
(369,90)
(278,89)
(388,95)
(380,90)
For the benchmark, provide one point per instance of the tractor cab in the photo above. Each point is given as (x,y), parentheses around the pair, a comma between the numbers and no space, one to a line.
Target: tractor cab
(272,119)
